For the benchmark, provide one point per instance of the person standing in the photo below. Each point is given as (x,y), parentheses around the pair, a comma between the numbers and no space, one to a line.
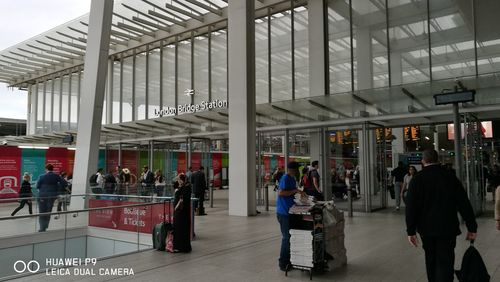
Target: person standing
(497,208)
(399,175)
(406,183)
(287,188)
(433,200)
(147,181)
(159,183)
(314,185)
(25,194)
(62,197)
(182,215)
(199,183)
(189,173)
(48,185)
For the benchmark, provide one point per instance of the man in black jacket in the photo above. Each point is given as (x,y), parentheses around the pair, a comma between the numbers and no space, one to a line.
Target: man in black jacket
(199,183)
(434,197)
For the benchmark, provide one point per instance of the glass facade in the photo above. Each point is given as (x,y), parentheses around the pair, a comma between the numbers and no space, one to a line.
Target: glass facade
(370,45)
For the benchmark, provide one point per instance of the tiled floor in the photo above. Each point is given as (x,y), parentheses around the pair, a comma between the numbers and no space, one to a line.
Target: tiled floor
(239,249)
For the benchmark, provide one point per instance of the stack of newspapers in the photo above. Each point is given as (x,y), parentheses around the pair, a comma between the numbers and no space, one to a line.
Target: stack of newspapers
(301,247)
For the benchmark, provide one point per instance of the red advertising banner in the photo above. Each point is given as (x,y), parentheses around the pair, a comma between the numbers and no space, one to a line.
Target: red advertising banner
(71,161)
(112,160)
(181,162)
(58,157)
(267,163)
(10,172)
(281,162)
(140,218)
(196,161)
(129,160)
(217,167)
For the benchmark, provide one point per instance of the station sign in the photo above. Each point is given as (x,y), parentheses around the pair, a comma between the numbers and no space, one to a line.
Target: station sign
(191,108)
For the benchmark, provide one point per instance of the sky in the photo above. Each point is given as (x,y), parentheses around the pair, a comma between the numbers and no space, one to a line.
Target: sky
(22,19)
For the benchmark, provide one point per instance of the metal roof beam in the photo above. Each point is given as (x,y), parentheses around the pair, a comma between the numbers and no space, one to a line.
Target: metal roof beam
(125,19)
(204,6)
(45,61)
(24,62)
(83,40)
(71,44)
(136,29)
(167,18)
(12,64)
(71,51)
(130,32)
(67,56)
(144,14)
(172,15)
(184,12)
(143,21)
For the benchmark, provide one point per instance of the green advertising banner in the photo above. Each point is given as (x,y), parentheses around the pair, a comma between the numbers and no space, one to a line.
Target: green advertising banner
(33,162)
(102,159)
(225,160)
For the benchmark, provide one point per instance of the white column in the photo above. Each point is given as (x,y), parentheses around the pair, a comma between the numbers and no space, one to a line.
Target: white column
(318,83)
(109,93)
(364,58)
(398,145)
(94,88)
(396,68)
(318,60)
(241,80)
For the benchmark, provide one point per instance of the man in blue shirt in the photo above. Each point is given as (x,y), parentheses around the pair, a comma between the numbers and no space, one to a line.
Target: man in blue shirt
(48,185)
(287,188)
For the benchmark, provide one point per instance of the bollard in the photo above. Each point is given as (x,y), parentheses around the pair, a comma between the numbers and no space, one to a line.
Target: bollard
(266,196)
(211,196)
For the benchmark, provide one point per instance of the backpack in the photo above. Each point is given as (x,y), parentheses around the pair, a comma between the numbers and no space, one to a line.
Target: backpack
(473,268)
(306,181)
(93,179)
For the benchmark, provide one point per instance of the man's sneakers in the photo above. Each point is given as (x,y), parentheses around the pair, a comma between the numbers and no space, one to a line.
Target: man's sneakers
(396,209)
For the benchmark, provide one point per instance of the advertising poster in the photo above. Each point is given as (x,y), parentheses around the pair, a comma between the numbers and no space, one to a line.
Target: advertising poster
(102,159)
(33,162)
(181,162)
(266,160)
(217,168)
(58,157)
(10,171)
(141,218)
(225,160)
(273,162)
(71,161)
(196,161)
(173,162)
(143,160)
(111,160)
(129,160)
(159,162)
(281,162)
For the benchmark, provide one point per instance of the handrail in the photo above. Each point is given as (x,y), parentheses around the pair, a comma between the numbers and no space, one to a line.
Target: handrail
(96,209)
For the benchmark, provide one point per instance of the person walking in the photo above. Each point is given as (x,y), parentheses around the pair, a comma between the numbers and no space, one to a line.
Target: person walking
(398,175)
(189,173)
(48,185)
(406,183)
(160,183)
(62,197)
(433,200)
(182,215)
(25,194)
(497,207)
(147,181)
(199,184)
(287,188)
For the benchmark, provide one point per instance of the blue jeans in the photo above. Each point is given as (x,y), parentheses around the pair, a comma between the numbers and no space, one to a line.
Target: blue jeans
(45,205)
(284,221)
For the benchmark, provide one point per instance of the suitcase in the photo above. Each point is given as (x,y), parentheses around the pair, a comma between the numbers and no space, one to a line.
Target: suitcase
(161,230)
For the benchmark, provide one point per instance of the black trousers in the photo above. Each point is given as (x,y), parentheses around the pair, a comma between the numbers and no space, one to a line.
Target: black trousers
(439,258)
(21,205)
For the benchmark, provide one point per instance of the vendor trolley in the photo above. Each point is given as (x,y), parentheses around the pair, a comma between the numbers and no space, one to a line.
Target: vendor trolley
(307,239)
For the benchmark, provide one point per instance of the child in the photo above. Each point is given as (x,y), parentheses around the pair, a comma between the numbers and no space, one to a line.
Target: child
(25,194)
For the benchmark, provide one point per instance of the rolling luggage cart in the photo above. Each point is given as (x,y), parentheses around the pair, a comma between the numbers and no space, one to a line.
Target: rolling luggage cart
(307,239)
